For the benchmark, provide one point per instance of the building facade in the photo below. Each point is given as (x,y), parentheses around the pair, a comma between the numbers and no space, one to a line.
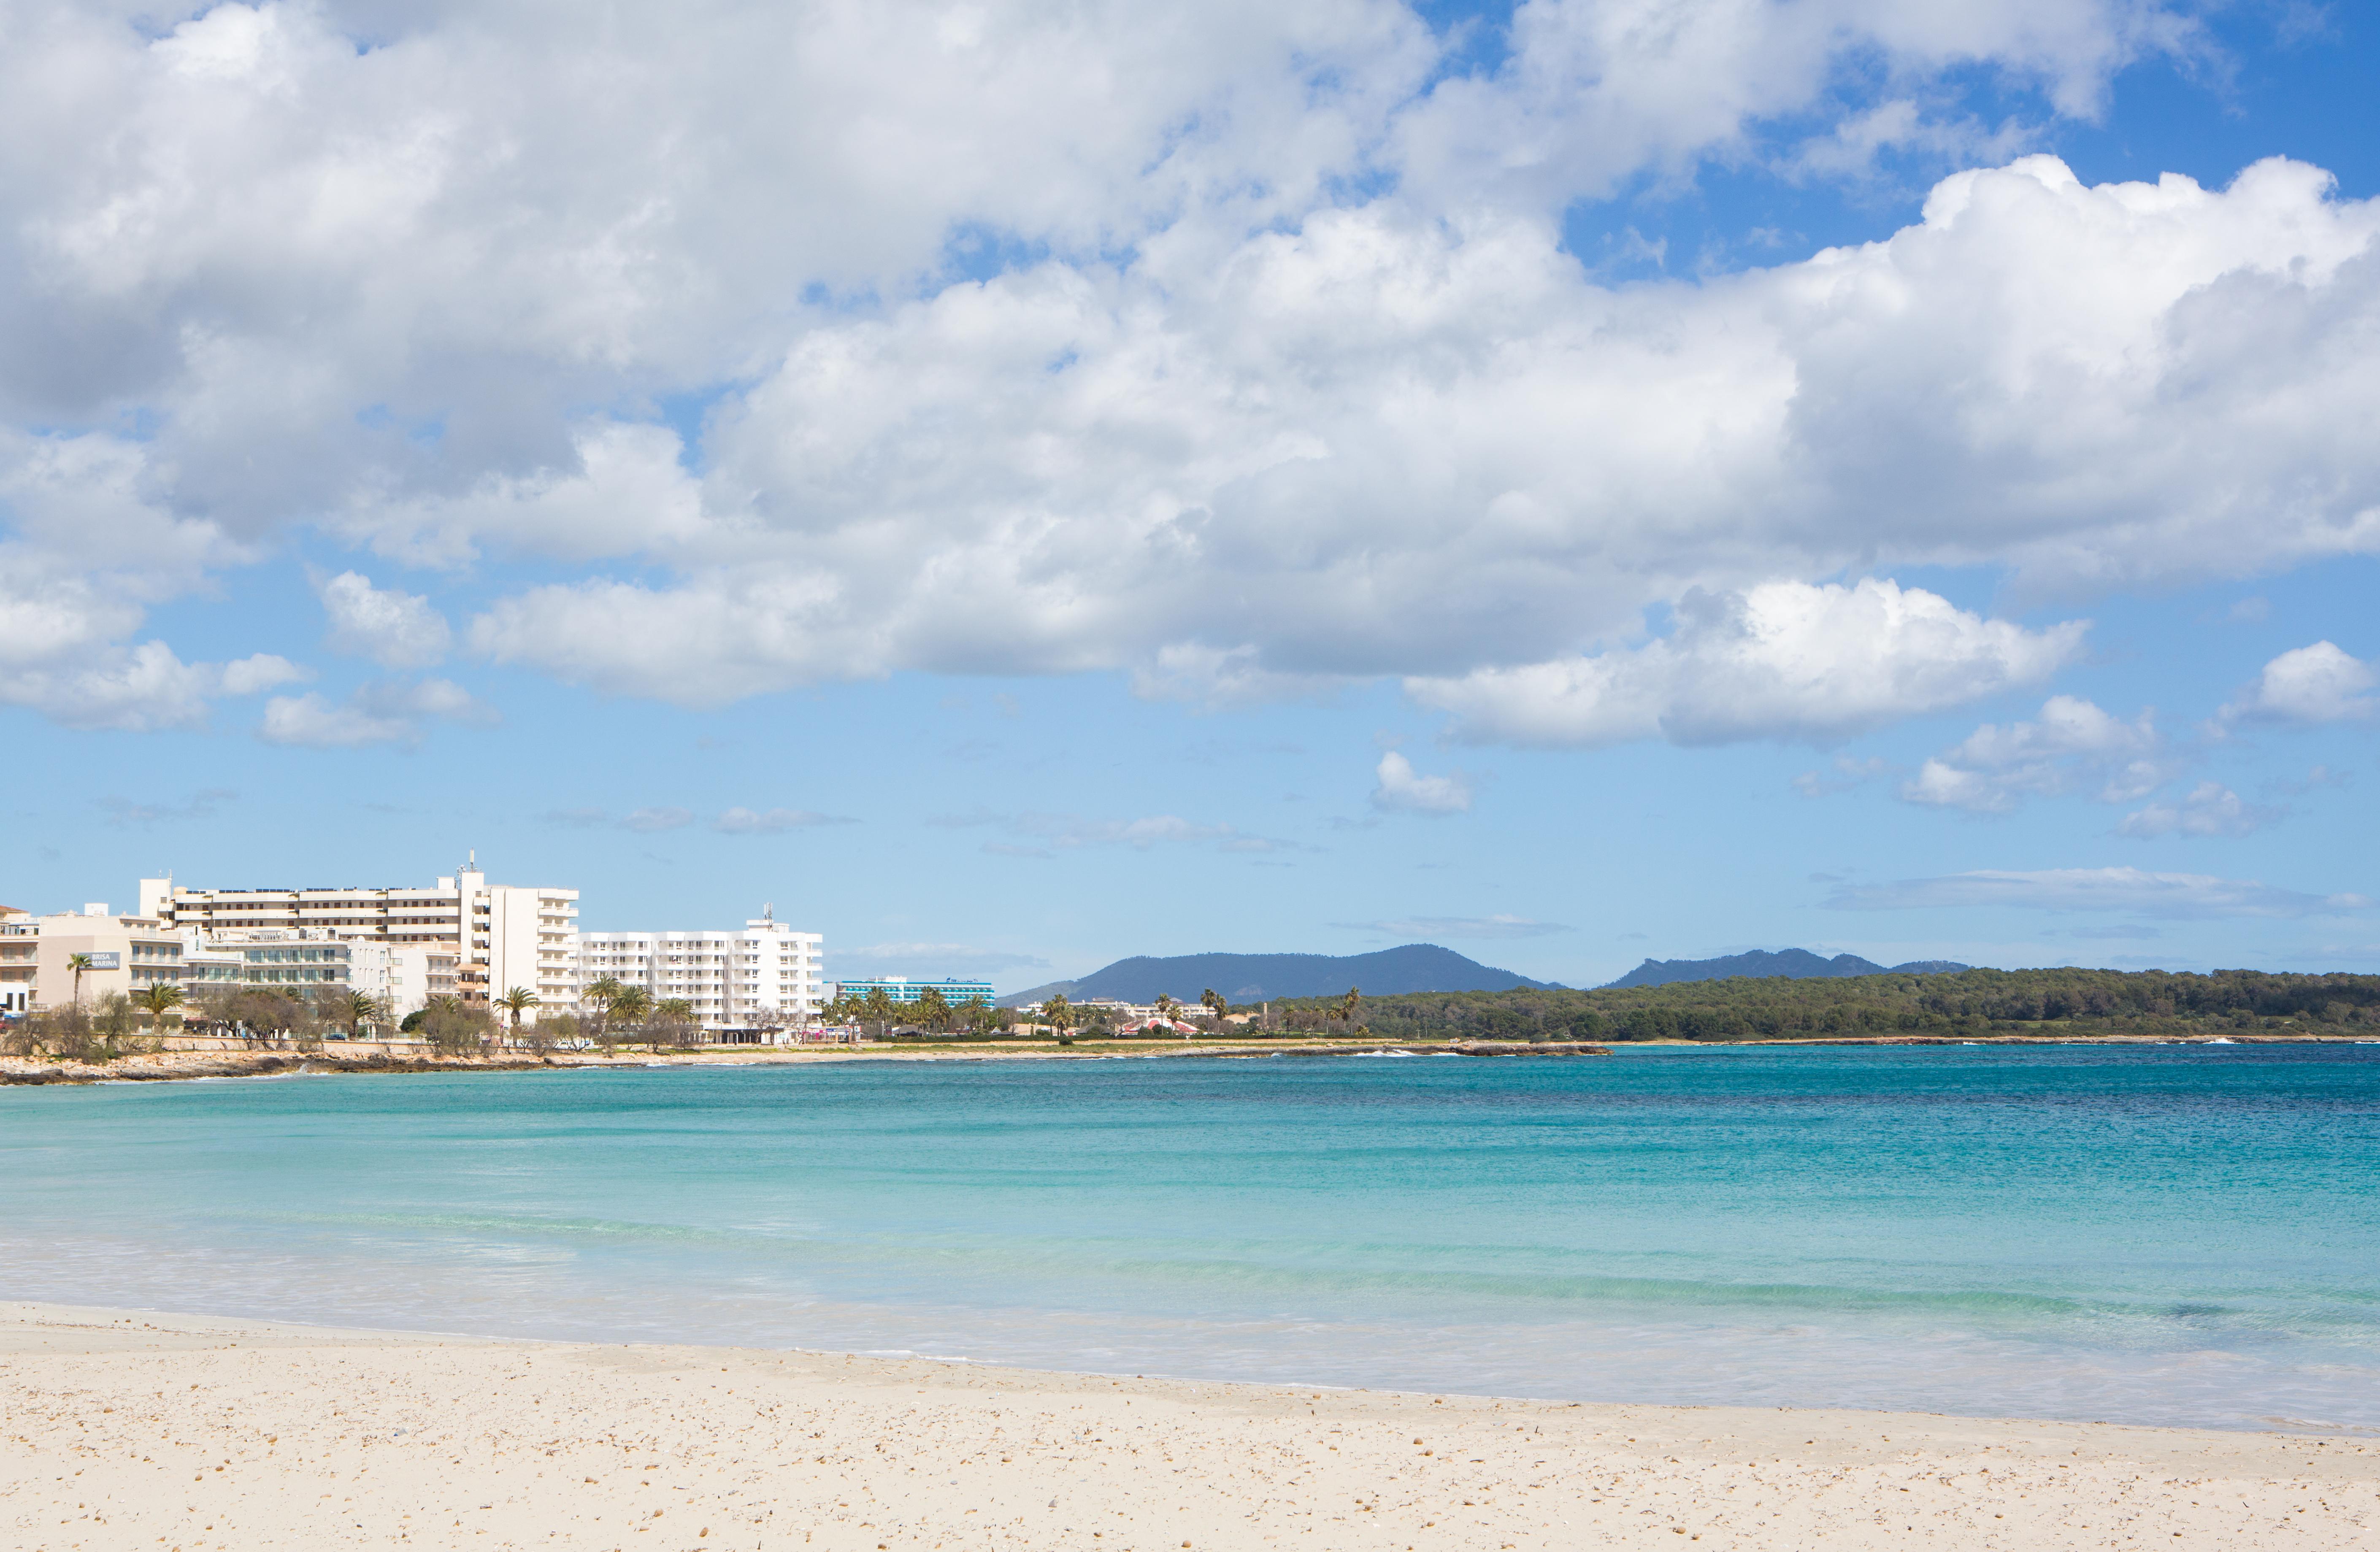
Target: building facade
(300,966)
(900,989)
(120,954)
(401,977)
(498,936)
(20,951)
(760,976)
(132,954)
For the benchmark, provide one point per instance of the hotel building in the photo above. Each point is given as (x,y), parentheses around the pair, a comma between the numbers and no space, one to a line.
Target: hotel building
(900,989)
(740,983)
(121,954)
(497,937)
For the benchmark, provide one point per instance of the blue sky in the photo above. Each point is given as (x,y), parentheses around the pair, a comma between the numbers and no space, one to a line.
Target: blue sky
(1063,489)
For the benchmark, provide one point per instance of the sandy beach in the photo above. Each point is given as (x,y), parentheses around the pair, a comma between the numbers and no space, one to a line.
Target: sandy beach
(143,1430)
(219,1060)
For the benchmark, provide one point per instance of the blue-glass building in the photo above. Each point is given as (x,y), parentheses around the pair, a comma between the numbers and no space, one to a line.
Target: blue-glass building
(900,989)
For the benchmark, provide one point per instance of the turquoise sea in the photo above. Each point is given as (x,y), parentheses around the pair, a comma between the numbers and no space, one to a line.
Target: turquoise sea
(2185,1234)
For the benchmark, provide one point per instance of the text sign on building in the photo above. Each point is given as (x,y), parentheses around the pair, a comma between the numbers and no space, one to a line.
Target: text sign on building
(108,961)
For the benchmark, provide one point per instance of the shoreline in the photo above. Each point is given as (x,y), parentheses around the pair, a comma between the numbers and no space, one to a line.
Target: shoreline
(172,1066)
(217,1433)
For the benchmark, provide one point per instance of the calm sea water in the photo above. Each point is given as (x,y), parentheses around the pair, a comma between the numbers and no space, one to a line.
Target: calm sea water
(2170,1234)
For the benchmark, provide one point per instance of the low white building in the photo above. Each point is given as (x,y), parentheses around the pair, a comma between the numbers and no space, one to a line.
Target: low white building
(743,984)
(403,977)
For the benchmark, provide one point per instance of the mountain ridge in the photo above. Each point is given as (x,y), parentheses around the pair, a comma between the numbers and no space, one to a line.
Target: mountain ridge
(1260,977)
(1794,964)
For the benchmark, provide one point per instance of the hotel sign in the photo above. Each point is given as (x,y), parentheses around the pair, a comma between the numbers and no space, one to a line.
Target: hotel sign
(109,960)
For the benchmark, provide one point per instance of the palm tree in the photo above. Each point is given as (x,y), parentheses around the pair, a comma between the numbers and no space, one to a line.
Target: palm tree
(1212,1001)
(78,963)
(934,1009)
(878,1007)
(157,1001)
(672,1012)
(1058,1014)
(1347,1006)
(629,1004)
(519,1000)
(439,1007)
(362,1008)
(598,994)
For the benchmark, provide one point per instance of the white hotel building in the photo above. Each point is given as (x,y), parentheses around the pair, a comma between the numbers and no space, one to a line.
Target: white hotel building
(488,938)
(743,980)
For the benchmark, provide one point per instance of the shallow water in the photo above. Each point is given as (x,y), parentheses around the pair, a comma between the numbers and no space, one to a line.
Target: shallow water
(2171,1234)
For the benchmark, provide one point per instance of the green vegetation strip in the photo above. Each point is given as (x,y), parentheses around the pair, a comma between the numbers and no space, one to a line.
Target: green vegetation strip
(2079,1002)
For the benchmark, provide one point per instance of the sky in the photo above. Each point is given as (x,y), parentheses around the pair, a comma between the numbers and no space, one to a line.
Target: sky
(1011,486)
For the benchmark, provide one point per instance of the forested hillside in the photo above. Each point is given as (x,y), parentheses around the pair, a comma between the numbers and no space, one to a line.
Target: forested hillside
(1785,961)
(1253,977)
(1744,1008)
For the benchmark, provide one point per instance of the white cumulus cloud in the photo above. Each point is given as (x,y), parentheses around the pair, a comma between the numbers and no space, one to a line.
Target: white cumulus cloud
(1403,790)
(2311,684)
(2210,808)
(136,689)
(385,712)
(2072,744)
(394,629)
(1785,660)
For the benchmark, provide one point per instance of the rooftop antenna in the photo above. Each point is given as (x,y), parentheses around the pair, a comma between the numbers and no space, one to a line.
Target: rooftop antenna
(768,911)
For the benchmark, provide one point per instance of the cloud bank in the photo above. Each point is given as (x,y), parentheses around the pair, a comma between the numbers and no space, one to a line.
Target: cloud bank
(1282,379)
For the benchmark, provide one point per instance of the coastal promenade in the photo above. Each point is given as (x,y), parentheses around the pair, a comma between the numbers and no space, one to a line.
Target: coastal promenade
(141,1430)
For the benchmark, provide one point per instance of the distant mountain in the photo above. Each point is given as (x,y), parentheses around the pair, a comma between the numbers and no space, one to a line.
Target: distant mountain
(1800,964)
(1261,977)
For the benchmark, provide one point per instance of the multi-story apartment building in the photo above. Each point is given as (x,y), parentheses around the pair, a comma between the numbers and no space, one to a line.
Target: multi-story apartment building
(737,981)
(497,936)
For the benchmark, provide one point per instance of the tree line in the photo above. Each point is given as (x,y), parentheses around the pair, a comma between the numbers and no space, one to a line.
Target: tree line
(1777,1007)
(117,1025)
(932,1012)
